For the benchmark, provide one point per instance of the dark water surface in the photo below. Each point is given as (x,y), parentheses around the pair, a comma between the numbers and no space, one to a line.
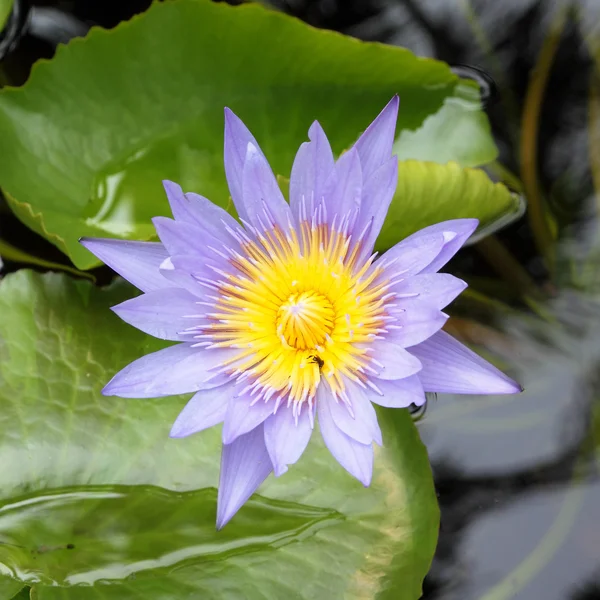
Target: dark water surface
(517,477)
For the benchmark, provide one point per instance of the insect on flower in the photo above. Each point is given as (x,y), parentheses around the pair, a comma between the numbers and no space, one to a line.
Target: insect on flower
(316,359)
(287,316)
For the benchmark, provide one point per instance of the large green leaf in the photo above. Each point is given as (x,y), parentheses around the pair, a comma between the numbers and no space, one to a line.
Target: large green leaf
(5,10)
(458,132)
(86,142)
(429,192)
(94,492)
(9,587)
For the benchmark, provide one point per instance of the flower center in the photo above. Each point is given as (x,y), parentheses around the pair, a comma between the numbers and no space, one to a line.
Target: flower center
(305,320)
(299,308)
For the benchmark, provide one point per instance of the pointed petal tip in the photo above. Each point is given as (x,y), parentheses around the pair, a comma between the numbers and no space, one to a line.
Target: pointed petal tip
(167,183)
(178,432)
(245,464)
(279,470)
(230,117)
(222,520)
(495,382)
(108,390)
(227,437)
(90,242)
(473,221)
(365,479)
(510,387)
(466,226)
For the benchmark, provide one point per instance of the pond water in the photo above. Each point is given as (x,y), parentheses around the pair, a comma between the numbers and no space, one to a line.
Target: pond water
(517,477)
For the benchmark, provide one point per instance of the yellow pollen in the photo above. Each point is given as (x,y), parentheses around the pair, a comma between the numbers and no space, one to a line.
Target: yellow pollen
(299,308)
(305,320)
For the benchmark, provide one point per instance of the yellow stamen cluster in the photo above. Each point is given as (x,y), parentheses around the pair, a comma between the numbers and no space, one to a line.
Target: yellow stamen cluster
(298,307)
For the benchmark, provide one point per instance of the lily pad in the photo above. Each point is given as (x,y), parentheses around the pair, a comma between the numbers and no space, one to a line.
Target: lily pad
(429,192)
(5,10)
(97,501)
(459,132)
(86,141)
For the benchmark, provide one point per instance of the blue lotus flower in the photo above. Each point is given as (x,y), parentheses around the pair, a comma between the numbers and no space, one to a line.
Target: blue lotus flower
(289,317)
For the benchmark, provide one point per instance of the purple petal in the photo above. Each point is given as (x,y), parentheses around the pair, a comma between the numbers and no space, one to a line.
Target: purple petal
(375,145)
(312,166)
(285,438)
(377,195)
(263,200)
(198,210)
(162,313)
(237,138)
(245,464)
(182,238)
(456,233)
(416,325)
(205,409)
(242,418)
(391,361)
(355,457)
(450,367)
(363,426)
(213,220)
(397,393)
(343,188)
(138,262)
(411,255)
(175,370)
(436,290)
(182,278)
(200,268)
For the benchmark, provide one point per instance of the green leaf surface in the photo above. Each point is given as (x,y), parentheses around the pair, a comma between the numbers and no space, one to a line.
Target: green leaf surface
(458,132)
(93,492)
(429,192)
(114,113)
(9,587)
(5,10)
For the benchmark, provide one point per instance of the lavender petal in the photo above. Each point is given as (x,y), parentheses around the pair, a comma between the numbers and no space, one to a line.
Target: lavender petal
(416,325)
(179,369)
(285,438)
(242,418)
(377,195)
(343,189)
(355,457)
(138,262)
(436,290)
(205,409)
(162,313)
(375,145)
(179,237)
(312,166)
(397,393)
(181,277)
(456,233)
(237,138)
(261,193)
(363,426)
(245,464)
(412,255)
(391,361)
(450,367)
(200,211)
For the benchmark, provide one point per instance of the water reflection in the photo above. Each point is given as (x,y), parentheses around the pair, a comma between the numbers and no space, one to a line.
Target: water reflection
(102,533)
